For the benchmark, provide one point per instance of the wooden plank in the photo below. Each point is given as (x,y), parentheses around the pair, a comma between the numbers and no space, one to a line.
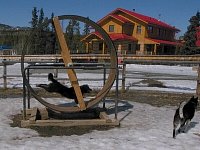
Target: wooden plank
(103,115)
(33,115)
(69,123)
(43,113)
(25,123)
(192,58)
(67,60)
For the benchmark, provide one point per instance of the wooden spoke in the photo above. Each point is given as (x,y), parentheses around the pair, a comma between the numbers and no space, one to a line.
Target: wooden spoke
(65,53)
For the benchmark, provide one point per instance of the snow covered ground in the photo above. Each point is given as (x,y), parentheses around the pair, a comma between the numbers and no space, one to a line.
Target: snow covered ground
(135,74)
(143,127)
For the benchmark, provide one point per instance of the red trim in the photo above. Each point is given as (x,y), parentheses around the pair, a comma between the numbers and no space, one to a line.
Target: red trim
(166,42)
(116,36)
(124,20)
(119,18)
(119,36)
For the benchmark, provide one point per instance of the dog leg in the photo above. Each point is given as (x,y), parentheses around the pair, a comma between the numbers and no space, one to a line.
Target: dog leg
(186,126)
(174,133)
(181,128)
(176,122)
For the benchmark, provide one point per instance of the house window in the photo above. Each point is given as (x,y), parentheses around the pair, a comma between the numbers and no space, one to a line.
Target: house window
(100,46)
(111,28)
(129,47)
(165,32)
(159,32)
(137,46)
(150,29)
(139,29)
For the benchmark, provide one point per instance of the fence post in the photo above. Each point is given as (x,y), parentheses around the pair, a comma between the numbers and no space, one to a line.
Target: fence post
(4,74)
(123,77)
(198,81)
(56,70)
(55,73)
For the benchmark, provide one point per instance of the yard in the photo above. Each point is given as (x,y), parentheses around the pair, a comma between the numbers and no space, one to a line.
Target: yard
(145,113)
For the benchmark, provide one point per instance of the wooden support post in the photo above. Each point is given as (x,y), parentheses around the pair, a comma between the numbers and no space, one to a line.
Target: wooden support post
(123,77)
(155,49)
(103,115)
(43,113)
(67,61)
(33,115)
(198,82)
(4,75)
(55,73)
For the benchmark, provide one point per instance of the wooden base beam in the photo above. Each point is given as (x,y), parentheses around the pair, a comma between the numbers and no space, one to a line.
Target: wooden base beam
(69,123)
(39,117)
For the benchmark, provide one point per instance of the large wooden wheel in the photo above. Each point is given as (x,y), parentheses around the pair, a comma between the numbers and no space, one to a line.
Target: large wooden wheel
(71,73)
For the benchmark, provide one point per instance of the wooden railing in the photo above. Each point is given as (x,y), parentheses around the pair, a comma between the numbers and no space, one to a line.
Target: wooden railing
(126,59)
(104,56)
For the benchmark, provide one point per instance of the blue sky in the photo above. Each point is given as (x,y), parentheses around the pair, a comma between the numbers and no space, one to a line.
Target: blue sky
(174,12)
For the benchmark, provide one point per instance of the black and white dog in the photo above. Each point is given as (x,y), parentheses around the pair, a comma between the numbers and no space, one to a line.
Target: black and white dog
(65,91)
(184,115)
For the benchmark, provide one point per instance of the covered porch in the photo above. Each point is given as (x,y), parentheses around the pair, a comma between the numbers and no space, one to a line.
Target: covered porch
(124,44)
(160,47)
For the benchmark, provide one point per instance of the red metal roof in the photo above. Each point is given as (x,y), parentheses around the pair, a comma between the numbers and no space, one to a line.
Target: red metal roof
(116,36)
(166,42)
(119,36)
(147,19)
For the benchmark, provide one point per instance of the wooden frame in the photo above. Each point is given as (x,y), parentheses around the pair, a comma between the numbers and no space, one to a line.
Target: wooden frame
(36,114)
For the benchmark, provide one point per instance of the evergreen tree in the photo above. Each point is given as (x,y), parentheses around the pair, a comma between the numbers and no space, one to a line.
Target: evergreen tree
(77,37)
(34,21)
(51,42)
(42,39)
(86,29)
(190,37)
(33,38)
(42,33)
(52,27)
(73,36)
(51,39)
(41,17)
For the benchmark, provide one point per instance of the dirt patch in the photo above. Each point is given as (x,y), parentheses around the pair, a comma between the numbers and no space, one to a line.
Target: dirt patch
(11,92)
(155,98)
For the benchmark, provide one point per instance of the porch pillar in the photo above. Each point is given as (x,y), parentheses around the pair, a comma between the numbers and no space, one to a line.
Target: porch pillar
(155,49)
(142,49)
(162,49)
(87,47)
(103,50)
